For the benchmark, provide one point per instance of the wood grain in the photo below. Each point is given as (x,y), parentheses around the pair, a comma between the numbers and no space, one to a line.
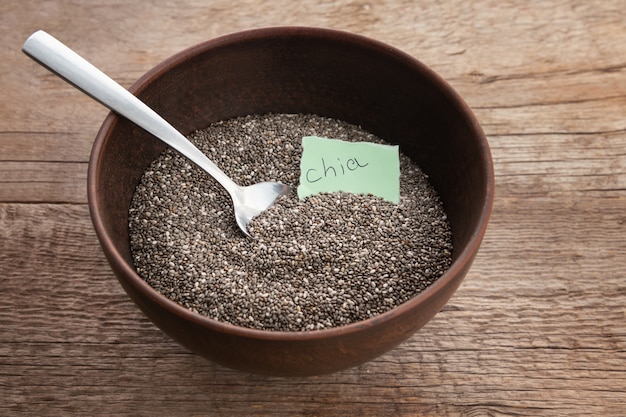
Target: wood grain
(538,327)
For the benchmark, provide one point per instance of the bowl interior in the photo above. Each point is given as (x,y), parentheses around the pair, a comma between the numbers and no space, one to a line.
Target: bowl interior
(330,74)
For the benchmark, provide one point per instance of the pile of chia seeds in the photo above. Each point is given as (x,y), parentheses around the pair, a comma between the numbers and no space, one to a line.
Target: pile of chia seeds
(325,261)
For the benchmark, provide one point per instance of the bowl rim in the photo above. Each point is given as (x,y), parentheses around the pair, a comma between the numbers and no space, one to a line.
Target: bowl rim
(462,262)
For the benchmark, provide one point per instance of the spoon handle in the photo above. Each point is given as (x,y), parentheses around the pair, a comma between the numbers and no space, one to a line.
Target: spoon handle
(74,69)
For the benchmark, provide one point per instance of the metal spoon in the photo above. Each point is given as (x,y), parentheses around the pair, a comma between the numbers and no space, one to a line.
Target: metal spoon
(248,201)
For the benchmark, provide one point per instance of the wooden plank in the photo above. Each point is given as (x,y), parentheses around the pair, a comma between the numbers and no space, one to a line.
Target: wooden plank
(49,182)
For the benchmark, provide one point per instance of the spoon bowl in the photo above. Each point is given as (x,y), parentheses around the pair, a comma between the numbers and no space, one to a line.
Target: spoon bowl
(254,199)
(248,202)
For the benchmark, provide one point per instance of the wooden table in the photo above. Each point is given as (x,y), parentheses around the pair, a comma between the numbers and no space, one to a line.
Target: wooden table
(538,326)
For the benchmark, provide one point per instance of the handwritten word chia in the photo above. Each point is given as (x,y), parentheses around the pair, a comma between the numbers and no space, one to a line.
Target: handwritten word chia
(326,170)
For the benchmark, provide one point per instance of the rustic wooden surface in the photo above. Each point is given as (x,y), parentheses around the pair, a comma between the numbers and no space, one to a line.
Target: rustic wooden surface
(538,326)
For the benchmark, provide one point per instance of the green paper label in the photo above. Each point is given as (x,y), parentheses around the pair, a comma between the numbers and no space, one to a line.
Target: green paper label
(331,165)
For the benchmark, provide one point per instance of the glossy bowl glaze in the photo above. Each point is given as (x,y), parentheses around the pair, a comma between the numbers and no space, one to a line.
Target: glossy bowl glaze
(298,70)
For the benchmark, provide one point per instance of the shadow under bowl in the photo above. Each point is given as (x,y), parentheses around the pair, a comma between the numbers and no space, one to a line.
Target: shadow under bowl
(298,70)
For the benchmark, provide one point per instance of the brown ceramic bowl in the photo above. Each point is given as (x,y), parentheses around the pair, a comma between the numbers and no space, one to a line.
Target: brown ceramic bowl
(298,70)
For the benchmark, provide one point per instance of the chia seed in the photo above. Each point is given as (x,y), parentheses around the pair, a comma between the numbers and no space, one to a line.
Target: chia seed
(325,261)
